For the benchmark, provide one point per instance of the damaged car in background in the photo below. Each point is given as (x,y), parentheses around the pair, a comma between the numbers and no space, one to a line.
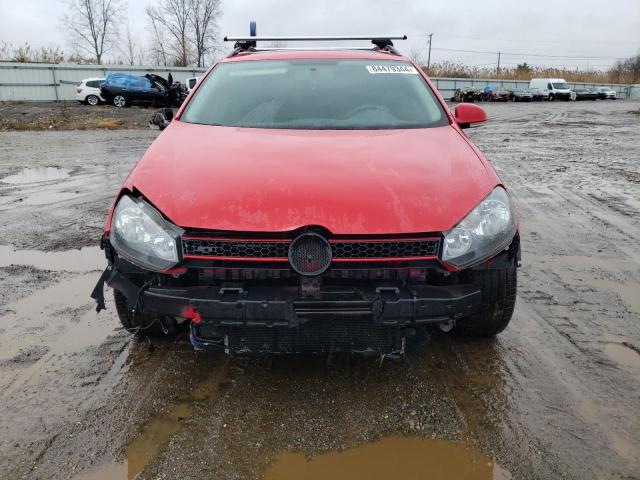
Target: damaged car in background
(308,201)
(123,90)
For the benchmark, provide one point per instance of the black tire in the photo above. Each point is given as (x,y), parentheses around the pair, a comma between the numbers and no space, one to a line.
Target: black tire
(132,324)
(498,300)
(551,97)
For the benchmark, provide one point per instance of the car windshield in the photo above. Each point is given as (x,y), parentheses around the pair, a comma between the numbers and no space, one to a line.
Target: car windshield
(316,94)
(561,86)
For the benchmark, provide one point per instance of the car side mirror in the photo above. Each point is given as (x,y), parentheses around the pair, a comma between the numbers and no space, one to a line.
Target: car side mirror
(467,113)
(161,119)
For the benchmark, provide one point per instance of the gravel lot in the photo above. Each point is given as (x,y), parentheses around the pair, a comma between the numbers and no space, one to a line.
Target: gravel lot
(557,395)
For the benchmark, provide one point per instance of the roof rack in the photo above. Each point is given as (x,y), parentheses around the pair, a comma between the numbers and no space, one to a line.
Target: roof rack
(249,44)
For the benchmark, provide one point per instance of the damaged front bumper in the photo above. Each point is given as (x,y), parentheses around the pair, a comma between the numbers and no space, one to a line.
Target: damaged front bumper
(375,319)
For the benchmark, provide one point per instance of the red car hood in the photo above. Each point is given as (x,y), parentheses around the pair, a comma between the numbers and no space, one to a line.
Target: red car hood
(350,182)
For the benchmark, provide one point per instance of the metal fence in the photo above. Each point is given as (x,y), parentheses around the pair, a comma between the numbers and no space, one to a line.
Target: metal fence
(41,82)
(447,86)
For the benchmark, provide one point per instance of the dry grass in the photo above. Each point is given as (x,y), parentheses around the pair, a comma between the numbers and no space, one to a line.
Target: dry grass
(459,70)
(65,124)
(104,123)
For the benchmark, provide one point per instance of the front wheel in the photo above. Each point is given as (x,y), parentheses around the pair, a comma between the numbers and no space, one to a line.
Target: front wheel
(551,97)
(120,101)
(498,299)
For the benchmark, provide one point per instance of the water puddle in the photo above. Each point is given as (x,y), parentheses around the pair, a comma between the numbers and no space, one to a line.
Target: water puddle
(581,269)
(157,434)
(36,175)
(85,259)
(628,292)
(391,457)
(105,472)
(61,316)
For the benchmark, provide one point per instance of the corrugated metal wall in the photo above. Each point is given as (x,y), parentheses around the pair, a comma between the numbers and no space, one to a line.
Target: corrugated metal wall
(40,81)
(35,81)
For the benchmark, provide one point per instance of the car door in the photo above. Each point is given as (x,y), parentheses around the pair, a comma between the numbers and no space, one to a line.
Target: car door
(142,90)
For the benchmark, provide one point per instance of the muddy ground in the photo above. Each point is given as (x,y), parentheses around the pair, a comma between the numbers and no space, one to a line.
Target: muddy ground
(557,395)
(70,116)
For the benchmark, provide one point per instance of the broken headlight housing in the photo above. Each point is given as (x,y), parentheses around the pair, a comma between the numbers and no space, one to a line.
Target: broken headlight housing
(140,234)
(484,232)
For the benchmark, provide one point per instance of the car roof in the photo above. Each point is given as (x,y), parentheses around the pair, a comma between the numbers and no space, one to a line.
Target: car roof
(314,55)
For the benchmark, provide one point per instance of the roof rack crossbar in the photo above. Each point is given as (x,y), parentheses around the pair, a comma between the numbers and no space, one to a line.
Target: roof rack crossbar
(383,43)
(308,49)
(318,38)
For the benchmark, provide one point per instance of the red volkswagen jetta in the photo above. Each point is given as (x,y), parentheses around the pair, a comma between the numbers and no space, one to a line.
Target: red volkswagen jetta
(313,201)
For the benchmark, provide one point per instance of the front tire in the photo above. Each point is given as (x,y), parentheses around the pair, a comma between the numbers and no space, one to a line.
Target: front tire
(145,322)
(497,302)
(120,101)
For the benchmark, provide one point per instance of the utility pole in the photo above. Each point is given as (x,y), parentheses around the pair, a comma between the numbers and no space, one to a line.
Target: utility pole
(429,57)
(498,70)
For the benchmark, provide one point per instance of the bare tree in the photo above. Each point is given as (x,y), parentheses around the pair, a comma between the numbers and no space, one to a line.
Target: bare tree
(204,15)
(5,51)
(131,46)
(632,65)
(172,17)
(157,49)
(92,25)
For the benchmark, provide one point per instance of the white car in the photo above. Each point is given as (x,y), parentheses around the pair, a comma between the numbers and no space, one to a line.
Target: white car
(88,91)
(606,93)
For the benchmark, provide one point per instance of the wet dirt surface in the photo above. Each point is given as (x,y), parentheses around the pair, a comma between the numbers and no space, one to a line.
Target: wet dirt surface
(70,116)
(557,395)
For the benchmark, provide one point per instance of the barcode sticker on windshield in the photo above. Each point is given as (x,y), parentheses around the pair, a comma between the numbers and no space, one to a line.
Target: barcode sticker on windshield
(405,69)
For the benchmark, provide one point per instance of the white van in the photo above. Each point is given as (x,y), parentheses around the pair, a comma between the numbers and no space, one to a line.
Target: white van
(552,88)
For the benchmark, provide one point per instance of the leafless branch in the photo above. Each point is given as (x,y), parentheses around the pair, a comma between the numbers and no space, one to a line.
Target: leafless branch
(92,25)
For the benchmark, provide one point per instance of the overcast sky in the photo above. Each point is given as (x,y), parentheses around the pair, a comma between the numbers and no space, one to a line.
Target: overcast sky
(593,32)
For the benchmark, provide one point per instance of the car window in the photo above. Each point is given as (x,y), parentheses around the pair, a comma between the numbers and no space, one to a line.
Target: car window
(560,86)
(316,94)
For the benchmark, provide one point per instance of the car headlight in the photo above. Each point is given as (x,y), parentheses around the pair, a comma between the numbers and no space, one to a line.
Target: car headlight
(485,231)
(140,234)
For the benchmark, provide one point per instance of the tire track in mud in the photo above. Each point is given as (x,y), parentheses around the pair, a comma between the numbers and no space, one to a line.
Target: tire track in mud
(579,285)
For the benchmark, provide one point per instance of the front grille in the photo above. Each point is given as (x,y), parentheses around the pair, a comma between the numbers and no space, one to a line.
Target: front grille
(234,248)
(386,249)
(346,250)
